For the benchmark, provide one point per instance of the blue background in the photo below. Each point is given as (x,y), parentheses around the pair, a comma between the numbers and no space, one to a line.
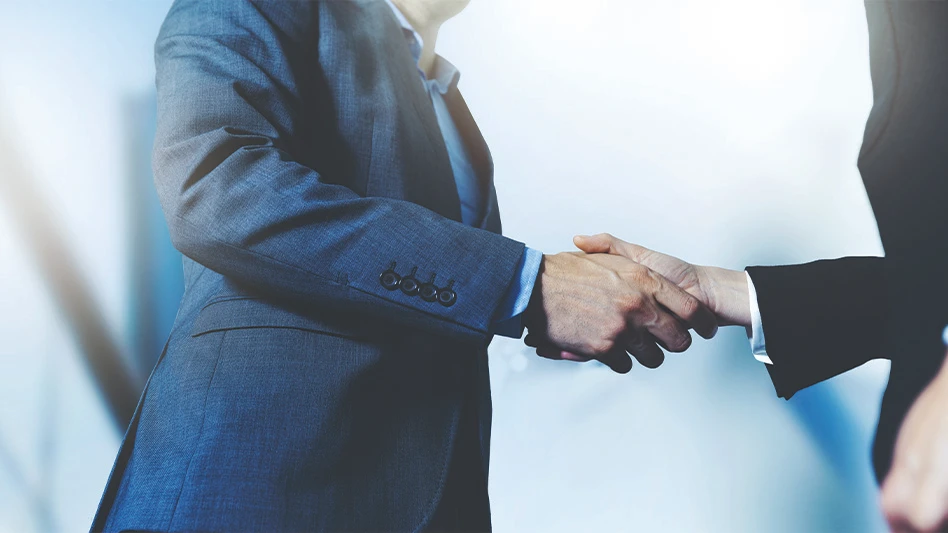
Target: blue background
(725,132)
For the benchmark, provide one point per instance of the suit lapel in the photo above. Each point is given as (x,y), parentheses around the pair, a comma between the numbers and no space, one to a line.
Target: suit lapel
(480,156)
(429,180)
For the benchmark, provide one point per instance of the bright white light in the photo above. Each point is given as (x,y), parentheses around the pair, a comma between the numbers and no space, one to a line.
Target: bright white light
(746,40)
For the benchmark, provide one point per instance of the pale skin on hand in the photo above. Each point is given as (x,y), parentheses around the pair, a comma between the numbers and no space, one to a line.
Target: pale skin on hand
(724,291)
(915,492)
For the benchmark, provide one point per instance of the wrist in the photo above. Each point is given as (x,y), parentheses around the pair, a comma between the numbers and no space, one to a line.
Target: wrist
(728,295)
(535,306)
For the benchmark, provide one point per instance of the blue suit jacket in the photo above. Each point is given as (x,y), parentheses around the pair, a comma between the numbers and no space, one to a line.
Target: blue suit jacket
(298,160)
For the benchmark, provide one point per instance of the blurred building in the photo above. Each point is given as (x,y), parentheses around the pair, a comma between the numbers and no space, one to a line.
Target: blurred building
(156,277)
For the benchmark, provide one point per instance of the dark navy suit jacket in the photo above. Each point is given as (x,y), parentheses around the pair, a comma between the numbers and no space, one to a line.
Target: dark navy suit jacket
(300,165)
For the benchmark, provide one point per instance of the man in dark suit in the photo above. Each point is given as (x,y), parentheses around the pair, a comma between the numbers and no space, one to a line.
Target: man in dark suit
(345,273)
(811,322)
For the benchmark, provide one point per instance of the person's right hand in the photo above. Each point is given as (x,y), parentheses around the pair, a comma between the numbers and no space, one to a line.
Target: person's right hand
(724,291)
(605,307)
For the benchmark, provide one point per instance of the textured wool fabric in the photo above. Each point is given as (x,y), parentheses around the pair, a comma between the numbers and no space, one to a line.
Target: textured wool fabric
(298,160)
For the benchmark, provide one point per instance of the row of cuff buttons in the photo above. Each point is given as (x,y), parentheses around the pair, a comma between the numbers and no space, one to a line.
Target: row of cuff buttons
(412,287)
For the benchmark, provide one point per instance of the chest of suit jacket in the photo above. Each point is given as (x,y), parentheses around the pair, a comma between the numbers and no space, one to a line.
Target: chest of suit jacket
(366,121)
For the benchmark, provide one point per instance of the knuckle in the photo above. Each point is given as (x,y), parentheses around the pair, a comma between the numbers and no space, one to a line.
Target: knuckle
(615,329)
(690,309)
(640,275)
(633,302)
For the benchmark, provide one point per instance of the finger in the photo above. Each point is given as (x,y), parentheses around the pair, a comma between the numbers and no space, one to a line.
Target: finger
(670,333)
(687,308)
(532,340)
(645,350)
(556,354)
(617,360)
(606,243)
(594,244)
(549,352)
(535,341)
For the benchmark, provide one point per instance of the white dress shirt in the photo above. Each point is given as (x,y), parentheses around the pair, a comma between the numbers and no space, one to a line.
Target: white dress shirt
(758,343)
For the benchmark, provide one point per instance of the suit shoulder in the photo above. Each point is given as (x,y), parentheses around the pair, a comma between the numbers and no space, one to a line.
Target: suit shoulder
(295,20)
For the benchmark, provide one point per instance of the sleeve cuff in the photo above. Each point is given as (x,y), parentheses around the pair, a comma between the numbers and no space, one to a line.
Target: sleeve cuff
(756,333)
(509,322)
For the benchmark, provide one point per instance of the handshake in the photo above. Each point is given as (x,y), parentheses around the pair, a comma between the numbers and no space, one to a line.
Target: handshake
(614,299)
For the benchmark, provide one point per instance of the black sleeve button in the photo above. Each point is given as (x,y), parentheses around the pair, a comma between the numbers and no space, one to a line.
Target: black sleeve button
(428,292)
(390,280)
(409,284)
(447,297)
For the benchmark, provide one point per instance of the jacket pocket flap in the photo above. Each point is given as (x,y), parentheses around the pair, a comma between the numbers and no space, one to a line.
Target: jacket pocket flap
(243,313)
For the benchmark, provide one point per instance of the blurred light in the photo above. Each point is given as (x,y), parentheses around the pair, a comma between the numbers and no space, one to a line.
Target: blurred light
(753,41)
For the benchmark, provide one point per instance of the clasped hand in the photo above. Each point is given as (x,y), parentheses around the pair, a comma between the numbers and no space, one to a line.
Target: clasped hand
(615,299)
(605,307)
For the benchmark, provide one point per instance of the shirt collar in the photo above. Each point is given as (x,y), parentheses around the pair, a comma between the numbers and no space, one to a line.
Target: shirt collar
(445,76)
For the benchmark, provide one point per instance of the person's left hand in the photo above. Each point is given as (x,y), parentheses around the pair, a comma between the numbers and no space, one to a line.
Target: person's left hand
(915,493)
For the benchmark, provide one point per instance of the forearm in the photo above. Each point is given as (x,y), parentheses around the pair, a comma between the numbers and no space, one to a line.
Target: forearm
(821,318)
(333,256)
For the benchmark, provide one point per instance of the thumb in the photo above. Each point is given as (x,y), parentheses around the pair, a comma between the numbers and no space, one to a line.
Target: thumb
(595,244)
(605,243)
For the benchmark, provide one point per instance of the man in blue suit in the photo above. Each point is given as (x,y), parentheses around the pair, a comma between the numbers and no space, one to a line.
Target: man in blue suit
(345,273)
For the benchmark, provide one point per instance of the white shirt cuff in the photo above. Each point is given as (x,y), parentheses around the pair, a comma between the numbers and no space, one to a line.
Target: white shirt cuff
(756,333)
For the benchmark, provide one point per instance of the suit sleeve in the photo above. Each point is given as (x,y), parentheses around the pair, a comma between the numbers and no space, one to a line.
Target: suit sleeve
(821,319)
(239,202)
